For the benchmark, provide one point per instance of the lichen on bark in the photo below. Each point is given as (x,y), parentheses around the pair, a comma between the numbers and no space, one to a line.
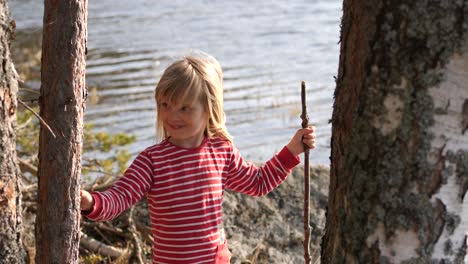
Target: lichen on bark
(387,177)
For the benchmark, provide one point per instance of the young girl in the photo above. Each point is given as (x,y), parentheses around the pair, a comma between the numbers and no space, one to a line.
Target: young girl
(184,176)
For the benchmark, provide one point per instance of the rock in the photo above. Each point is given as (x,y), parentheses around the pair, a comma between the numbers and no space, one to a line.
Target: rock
(269,229)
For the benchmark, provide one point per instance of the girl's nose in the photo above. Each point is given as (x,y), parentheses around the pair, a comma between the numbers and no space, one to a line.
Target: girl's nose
(174,115)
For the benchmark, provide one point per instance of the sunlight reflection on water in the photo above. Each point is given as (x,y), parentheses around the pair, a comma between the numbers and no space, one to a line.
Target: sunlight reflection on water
(266,49)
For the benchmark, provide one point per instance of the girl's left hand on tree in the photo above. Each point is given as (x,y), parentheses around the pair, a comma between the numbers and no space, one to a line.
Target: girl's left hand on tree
(303,136)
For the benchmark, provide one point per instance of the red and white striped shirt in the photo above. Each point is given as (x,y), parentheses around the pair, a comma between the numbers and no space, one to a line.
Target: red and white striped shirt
(185,189)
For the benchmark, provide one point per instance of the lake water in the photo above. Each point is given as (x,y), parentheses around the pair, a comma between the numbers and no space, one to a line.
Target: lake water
(266,48)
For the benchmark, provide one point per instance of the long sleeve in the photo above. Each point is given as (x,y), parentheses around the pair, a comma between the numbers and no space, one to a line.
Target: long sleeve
(128,190)
(246,178)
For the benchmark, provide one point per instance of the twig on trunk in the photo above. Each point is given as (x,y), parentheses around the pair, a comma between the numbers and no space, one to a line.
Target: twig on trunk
(305,123)
(38,117)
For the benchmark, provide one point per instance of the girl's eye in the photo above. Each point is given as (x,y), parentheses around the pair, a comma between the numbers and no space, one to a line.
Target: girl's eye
(185,109)
(163,106)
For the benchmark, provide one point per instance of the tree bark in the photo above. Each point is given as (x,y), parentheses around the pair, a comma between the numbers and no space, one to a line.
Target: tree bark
(62,103)
(399,171)
(11,248)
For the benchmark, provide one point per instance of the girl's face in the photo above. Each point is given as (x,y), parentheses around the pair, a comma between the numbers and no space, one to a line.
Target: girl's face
(184,123)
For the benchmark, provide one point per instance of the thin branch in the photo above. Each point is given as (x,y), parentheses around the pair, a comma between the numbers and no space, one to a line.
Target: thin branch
(99,247)
(145,232)
(29,90)
(40,119)
(106,227)
(27,167)
(305,123)
(25,124)
(138,252)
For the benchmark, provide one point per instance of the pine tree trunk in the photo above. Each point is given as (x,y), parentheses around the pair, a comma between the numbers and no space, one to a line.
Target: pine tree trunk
(11,248)
(62,103)
(399,172)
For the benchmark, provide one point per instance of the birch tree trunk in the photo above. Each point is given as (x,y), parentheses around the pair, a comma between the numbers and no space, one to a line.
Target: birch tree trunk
(11,248)
(399,172)
(62,104)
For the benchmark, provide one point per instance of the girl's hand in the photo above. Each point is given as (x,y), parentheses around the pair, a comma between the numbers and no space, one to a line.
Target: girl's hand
(302,136)
(87,201)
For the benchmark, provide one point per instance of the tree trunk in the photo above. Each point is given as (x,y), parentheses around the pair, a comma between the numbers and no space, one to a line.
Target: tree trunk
(399,171)
(11,248)
(62,103)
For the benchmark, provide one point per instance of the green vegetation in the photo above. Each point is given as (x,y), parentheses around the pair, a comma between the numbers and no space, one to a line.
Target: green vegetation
(104,142)
(94,142)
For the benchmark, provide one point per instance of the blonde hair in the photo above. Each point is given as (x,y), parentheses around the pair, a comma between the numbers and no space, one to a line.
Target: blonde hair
(194,78)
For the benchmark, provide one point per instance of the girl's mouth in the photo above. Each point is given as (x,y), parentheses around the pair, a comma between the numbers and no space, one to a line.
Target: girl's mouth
(175,126)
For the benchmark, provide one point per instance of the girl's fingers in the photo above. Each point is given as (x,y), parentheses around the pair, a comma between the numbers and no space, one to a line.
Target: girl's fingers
(308,136)
(309,140)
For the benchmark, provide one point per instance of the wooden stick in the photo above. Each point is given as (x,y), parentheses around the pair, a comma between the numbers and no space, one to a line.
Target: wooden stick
(305,123)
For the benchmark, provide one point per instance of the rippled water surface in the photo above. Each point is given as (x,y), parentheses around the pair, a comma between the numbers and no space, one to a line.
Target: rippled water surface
(266,48)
